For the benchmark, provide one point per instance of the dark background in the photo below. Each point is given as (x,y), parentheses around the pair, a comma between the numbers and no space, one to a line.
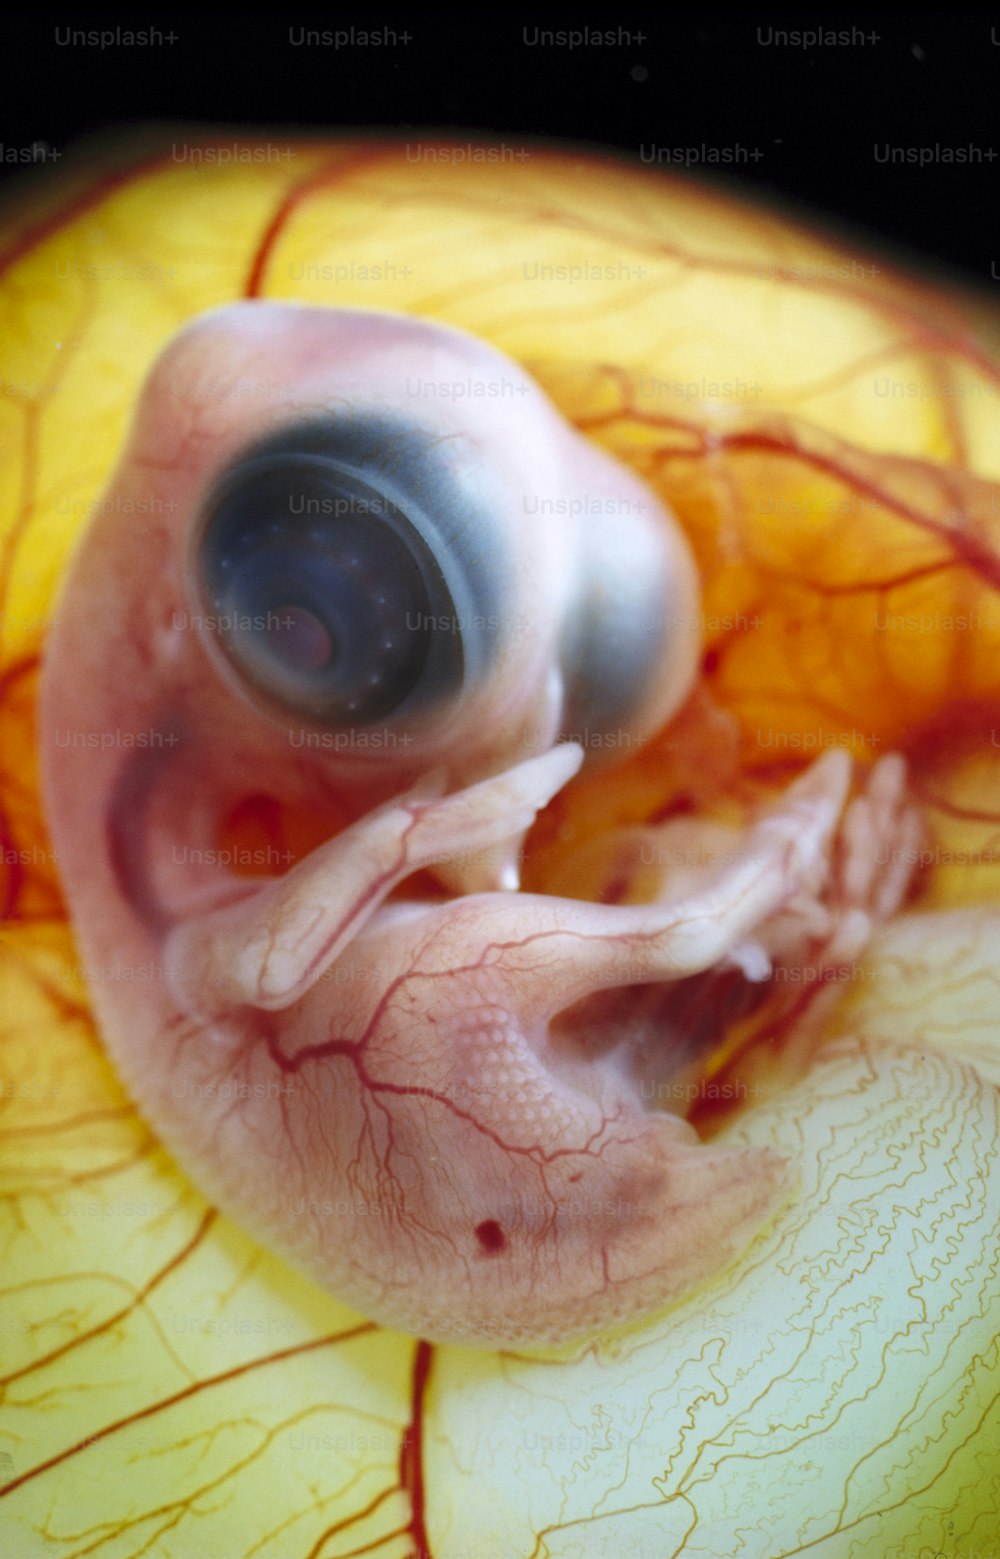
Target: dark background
(816,114)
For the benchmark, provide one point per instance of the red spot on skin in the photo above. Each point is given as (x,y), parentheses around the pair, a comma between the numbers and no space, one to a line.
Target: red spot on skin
(375,1046)
(490,1236)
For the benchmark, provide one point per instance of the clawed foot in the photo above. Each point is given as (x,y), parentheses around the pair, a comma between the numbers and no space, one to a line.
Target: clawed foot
(858,880)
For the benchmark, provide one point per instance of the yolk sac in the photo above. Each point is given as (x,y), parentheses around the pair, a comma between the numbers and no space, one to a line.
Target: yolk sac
(464,1057)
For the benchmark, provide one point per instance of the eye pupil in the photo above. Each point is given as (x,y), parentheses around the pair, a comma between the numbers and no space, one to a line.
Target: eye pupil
(302,639)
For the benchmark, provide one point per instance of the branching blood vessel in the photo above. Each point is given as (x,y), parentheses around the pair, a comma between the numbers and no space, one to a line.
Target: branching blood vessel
(423,1085)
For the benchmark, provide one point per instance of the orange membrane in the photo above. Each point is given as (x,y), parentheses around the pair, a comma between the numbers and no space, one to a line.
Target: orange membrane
(806,624)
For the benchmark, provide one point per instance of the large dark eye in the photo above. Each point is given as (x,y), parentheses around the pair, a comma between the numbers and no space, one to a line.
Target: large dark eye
(346,574)
(625,635)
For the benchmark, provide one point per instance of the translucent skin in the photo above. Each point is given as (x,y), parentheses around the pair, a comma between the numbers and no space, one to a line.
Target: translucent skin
(167,1378)
(376,1089)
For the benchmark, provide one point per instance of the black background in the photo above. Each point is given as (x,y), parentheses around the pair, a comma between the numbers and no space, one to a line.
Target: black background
(816,114)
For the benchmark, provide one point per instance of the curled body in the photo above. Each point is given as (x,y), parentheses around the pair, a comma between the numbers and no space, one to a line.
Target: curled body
(389,614)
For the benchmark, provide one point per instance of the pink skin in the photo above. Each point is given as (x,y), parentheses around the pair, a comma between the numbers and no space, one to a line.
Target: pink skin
(377,1089)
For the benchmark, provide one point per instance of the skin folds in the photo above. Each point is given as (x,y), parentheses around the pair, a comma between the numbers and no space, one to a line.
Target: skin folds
(391,1043)
(829,1384)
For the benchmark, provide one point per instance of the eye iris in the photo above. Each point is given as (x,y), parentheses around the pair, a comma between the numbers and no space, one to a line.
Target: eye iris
(324,595)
